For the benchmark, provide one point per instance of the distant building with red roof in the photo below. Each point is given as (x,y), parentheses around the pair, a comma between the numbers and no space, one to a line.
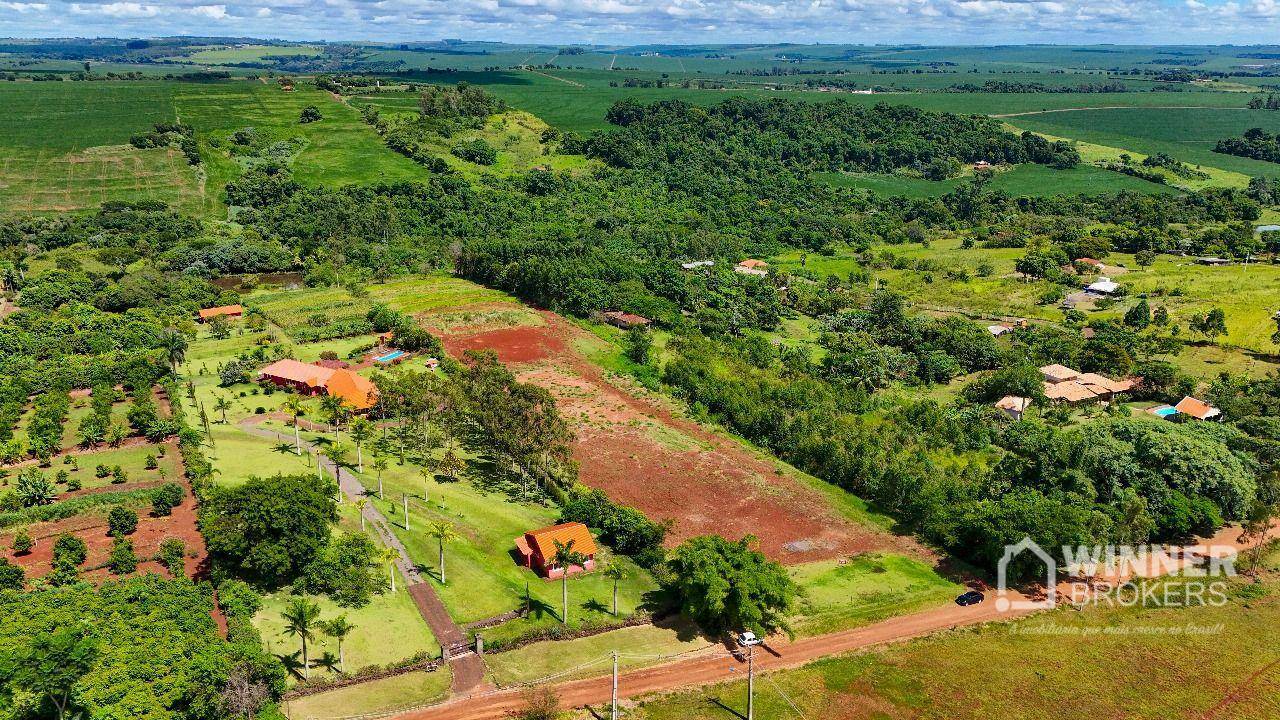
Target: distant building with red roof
(537,548)
(229,311)
(1197,409)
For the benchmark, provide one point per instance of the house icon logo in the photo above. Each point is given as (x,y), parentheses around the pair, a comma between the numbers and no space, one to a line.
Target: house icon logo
(1006,600)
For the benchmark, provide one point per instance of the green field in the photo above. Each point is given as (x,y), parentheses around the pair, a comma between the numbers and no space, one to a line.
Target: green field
(839,594)
(1186,134)
(375,696)
(246,53)
(1139,663)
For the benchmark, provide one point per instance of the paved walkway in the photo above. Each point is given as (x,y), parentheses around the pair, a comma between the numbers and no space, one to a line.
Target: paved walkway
(468,670)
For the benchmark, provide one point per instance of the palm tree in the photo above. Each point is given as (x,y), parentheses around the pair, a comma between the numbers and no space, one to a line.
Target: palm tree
(361,430)
(222,405)
(295,407)
(444,532)
(332,407)
(391,556)
(564,558)
(361,504)
(175,346)
(336,454)
(615,572)
(380,464)
(300,618)
(338,629)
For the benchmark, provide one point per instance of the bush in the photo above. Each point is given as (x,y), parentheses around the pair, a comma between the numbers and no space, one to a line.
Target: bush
(626,529)
(173,553)
(101,471)
(152,463)
(477,151)
(238,599)
(121,521)
(74,483)
(22,543)
(69,550)
(123,560)
(118,476)
(166,498)
(11,576)
(310,114)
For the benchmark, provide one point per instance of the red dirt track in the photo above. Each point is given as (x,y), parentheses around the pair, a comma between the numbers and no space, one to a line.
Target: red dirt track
(635,448)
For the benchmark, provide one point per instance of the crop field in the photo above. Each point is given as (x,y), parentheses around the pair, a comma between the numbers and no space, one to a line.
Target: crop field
(1132,662)
(1023,180)
(294,309)
(1186,134)
(245,53)
(375,696)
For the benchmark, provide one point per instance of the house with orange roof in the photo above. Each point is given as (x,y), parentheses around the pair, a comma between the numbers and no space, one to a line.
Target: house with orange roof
(1197,409)
(356,391)
(752,266)
(537,549)
(227,311)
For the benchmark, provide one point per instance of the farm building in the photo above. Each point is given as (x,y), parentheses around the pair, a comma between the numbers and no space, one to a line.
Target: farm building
(982,165)
(227,311)
(1013,406)
(1213,261)
(1066,385)
(355,390)
(998,330)
(1104,286)
(625,320)
(537,548)
(1197,409)
(752,267)
(697,264)
(1090,262)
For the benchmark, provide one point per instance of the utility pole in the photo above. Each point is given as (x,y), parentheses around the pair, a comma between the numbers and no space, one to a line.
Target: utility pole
(751,682)
(614,715)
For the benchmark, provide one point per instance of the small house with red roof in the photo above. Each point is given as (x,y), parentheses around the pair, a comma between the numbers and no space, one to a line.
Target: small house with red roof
(227,311)
(536,549)
(355,390)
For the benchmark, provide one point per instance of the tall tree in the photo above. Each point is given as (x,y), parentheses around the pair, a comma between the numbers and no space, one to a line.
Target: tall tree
(391,556)
(295,407)
(564,558)
(338,629)
(300,620)
(174,343)
(361,430)
(52,665)
(616,573)
(443,532)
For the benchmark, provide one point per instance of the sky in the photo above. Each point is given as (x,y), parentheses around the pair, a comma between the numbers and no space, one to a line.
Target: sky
(970,22)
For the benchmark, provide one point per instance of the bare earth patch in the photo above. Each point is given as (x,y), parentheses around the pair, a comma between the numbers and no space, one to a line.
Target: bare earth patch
(643,455)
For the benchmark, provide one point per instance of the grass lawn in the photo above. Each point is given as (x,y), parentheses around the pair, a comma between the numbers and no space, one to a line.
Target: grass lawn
(389,629)
(1103,663)
(639,646)
(839,594)
(376,696)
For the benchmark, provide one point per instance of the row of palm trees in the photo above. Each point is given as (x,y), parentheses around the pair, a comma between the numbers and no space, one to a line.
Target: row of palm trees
(302,620)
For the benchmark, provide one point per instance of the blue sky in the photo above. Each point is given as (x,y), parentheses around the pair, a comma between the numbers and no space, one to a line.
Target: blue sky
(672,21)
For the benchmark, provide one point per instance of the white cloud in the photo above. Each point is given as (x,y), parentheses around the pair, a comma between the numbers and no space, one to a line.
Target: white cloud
(213,12)
(24,7)
(116,10)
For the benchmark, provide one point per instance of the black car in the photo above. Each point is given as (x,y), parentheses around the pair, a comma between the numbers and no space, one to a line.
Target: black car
(973,597)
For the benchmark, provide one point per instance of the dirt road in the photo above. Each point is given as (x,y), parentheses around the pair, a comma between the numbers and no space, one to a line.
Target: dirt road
(721,667)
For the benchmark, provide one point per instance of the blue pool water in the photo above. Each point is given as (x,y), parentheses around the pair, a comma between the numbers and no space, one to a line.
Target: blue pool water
(1165,411)
(390,356)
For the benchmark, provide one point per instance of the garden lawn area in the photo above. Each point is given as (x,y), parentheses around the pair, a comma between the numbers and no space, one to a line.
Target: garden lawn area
(639,646)
(132,460)
(1139,663)
(375,696)
(387,630)
(839,594)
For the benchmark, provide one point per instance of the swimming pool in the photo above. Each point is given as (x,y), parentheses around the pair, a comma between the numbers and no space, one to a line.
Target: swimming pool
(1165,411)
(390,356)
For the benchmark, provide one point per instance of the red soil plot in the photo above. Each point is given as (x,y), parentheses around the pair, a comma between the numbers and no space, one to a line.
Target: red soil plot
(521,344)
(642,455)
(92,528)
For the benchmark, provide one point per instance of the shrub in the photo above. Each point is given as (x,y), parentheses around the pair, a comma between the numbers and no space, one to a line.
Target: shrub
(166,498)
(121,521)
(238,599)
(101,471)
(152,463)
(74,483)
(173,554)
(123,560)
(11,576)
(118,476)
(69,550)
(22,543)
